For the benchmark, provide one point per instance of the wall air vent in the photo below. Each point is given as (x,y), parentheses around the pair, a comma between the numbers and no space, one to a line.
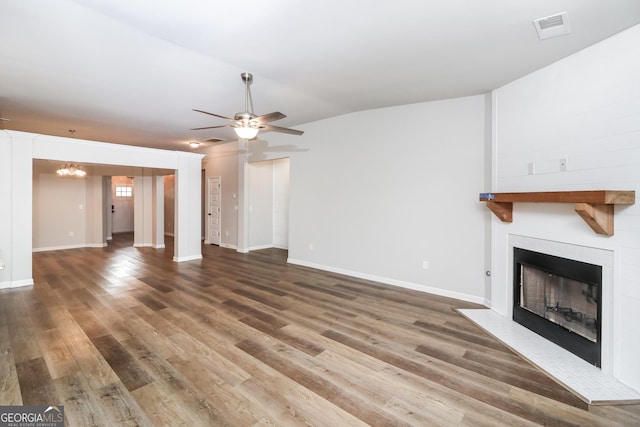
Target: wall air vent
(552,26)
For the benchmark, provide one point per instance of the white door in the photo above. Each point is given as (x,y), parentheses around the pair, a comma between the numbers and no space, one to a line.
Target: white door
(213,222)
(122,208)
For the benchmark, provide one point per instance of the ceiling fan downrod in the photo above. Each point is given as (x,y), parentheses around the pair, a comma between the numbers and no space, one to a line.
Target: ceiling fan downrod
(247,78)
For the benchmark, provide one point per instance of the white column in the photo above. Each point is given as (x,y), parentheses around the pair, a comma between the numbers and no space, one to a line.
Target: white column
(16,172)
(158,212)
(142,211)
(5,209)
(188,208)
(107,213)
(94,212)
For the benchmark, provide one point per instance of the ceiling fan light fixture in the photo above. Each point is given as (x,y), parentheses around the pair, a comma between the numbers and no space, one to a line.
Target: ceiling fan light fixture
(194,144)
(246,132)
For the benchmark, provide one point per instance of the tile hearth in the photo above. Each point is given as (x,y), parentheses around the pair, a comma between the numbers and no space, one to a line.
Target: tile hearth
(581,378)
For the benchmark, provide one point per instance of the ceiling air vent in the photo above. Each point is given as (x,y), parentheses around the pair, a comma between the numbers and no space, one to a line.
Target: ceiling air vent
(552,26)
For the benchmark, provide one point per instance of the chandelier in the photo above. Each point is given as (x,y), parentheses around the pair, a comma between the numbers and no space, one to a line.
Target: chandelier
(71,169)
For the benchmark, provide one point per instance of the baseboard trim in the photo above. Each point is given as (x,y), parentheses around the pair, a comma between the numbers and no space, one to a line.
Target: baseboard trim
(187,258)
(259,247)
(16,284)
(61,248)
(393,282)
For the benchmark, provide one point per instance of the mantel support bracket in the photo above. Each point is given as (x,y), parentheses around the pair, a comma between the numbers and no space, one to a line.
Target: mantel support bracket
(598,217)
(503,210)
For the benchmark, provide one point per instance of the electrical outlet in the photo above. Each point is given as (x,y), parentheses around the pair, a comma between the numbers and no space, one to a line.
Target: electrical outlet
(425,265)
(564,164)
(71,234)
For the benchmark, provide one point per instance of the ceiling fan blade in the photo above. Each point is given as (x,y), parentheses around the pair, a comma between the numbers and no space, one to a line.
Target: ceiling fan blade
(212,127)
(213,114)
(269,117)
(281,129)
(2,119)
(215,140)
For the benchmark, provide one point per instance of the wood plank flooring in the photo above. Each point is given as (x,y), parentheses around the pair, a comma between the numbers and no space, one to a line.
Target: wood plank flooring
(125,336)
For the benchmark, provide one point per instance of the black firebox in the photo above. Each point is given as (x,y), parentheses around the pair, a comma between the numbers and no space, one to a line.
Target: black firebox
(559,299)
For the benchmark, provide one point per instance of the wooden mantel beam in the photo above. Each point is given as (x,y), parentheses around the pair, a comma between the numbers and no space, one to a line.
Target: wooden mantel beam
(595,207)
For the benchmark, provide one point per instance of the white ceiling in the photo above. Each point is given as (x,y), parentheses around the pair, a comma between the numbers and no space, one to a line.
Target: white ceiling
(132,71)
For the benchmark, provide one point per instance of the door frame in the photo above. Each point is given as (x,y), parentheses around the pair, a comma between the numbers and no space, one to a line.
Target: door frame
(213,180)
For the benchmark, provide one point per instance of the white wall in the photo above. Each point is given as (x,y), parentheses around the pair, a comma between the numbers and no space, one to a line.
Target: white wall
(59,210)
(15,209)
(281,203)
(585,108)
(260,205)
(374,194)
(169,203)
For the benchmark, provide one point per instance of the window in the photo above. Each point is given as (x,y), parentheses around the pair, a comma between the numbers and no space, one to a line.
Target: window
(124,191)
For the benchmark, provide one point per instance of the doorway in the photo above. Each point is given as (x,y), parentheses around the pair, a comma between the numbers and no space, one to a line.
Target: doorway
(269,204)
(122,207)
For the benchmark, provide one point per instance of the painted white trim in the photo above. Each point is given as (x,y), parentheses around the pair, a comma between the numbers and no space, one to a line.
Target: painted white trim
(228,246)
(393,282)
(187,258)
(162,246)
(16,284)
(169,234)
(143,245)
(60,248)
(259,247)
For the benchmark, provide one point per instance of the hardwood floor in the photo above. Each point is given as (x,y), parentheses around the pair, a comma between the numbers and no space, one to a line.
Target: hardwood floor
(125,336)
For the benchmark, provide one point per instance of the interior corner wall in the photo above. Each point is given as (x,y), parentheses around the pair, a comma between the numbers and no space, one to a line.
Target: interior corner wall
(372,197)
(59,211)
(260,205)
(584,108)
(281,203)
(169,204)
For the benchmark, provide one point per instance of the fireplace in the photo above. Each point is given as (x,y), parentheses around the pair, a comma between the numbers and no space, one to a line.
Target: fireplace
(559,299)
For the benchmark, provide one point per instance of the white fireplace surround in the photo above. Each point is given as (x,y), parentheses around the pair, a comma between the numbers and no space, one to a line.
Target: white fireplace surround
(596,256)
(593,385)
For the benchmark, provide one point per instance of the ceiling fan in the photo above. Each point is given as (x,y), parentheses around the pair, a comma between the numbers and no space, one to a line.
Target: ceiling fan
(247,124)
